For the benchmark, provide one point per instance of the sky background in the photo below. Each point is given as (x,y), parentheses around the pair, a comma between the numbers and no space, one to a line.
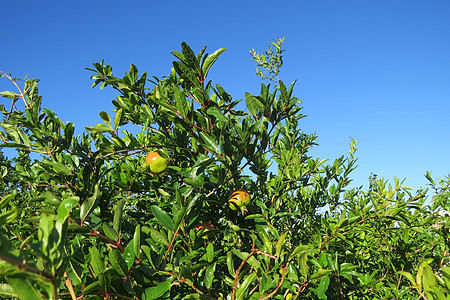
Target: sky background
(374,71)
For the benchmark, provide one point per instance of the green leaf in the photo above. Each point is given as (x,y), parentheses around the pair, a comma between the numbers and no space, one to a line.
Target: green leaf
(240,292)
(65,208)
(178,55)
(158,237)
(118,119)
(179,217)
(92,287)
(57,167)
(185,73)
(156,292)
(209,61)
(210,252)
(117,262)
(435,292)
(280,244)
(106,118)
(6,199)
(252,261)
(230,264)
(333,263)
(97,264)
(323,287)
(163,217)
(420,272)
(195,179)
(209,275)
(137,241)
(181,103)
(304,268)
(409,277)
(110,232)
(7,291)
(9,216)
(186,273)
(8,94)
(128,254)
(283,92)
(209,142)
(89,203)
(429,280)
(23,287)
(300,249)
(446,271)
(320,273)
(189,57)
(46,234)
(99,128)
(253,104)
(118,215)
(192,297)
(47,197)
(216,112)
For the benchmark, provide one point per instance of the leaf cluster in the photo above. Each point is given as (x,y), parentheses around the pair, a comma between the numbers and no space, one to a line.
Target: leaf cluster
(83,217)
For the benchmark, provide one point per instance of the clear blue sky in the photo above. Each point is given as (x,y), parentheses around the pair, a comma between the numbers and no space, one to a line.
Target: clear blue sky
(375,71)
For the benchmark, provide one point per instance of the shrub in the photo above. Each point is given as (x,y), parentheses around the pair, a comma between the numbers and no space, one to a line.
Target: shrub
(82,217)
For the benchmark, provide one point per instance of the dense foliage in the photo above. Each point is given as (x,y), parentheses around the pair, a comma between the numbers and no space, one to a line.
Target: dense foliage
(83,217)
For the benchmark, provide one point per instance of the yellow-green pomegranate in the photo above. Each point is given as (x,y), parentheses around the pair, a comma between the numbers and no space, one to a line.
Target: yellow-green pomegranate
(156,162)
(238,200)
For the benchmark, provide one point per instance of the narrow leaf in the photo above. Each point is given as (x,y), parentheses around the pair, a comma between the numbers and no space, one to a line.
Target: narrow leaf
(181,103)
(189,57)
(230,264)
(23,287)
(5,200)
(240,292)
(280,244)
(96,263)
(7,291)
(118,214)
(252,261)
(209,142)
(209,275)
(156,292)
(304,268)
(65,208)
(8,94)
(210,252)
(323,286)
(253,104)
(110,232)
(106,118)
(158,237)
(214,111)
(320,273)
(117,262)
(118,119)
(128,254)
(88,204)
(210,60)
(137,240)
(98,128)
(163,217)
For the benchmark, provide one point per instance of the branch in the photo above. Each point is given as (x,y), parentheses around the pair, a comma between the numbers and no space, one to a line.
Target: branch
(22,95)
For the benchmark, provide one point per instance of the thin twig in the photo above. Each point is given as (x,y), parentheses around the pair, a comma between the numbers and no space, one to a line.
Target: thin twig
(22,95)
(283,273)
(69,286)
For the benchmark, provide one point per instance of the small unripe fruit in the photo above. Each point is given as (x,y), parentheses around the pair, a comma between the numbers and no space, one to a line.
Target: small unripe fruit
(239,200)
(156,162)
